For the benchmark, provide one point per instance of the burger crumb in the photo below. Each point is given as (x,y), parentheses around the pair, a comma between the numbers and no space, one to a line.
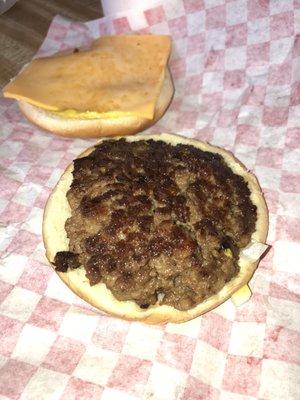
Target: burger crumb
(66,259)
(157,223)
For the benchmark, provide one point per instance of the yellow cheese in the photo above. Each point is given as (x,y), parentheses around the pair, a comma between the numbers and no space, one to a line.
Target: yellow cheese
(73,114)
(228,253)
(241,296)
(118,75)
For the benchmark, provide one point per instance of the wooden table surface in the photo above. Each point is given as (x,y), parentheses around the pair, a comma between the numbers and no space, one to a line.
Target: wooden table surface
(24,26)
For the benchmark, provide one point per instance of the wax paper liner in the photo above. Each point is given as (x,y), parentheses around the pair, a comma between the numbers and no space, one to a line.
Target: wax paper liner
(236,68)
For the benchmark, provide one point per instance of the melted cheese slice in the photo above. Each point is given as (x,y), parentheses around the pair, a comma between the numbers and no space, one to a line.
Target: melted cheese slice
(118,75)
(241,296)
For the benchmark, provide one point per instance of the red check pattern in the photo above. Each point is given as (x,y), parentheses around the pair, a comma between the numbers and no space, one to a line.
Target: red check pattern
(236,68)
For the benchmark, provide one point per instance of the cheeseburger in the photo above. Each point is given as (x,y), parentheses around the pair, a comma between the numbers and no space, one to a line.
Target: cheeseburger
(155,228)
(118,86)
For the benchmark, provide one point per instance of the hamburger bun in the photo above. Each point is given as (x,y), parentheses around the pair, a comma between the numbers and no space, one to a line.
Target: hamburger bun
(94,128)
(57,211)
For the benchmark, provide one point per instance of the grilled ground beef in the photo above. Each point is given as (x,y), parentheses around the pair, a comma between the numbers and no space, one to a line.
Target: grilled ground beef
(156,222)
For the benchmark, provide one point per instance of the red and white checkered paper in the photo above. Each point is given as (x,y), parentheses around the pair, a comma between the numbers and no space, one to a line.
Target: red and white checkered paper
(236,68)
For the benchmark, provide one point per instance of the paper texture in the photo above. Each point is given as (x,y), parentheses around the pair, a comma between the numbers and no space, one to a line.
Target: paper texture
(236,68)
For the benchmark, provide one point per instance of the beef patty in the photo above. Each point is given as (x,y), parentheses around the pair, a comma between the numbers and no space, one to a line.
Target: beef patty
(157,223)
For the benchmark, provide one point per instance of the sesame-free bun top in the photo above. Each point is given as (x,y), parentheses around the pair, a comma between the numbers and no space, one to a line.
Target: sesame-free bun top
(97,127)
(118,86)
(57,211)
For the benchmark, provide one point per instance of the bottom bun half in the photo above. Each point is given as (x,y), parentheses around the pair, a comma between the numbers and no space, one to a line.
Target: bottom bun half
(94,128)
(55,239)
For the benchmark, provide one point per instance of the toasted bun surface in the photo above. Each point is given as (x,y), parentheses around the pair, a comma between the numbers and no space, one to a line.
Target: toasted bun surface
(55,239)
(93,128)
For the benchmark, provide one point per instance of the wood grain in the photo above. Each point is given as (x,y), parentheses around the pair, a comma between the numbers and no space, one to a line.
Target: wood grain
(24,27)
